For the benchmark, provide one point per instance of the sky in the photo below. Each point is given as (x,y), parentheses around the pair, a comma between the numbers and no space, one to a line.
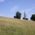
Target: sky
(9,8)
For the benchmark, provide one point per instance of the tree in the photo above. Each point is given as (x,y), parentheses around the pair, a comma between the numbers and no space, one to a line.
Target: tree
(33,17)
(25,16)
(18,15)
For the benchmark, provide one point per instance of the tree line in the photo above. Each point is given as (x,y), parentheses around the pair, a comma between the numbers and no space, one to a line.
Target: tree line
(18,16)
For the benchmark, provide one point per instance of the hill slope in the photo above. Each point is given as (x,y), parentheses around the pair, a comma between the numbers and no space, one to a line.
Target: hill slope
(10,26)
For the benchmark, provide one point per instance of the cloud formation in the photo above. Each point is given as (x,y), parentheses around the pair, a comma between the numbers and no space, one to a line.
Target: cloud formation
(15,8)
(28,11)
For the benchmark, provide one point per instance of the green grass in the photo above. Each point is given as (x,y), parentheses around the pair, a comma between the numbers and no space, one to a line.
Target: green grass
(16,27)
(13,30)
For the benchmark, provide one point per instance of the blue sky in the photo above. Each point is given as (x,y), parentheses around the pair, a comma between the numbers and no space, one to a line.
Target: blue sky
(9,7)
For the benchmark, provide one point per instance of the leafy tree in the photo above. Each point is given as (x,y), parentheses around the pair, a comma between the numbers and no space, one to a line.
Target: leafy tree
(18,15)
(33,17)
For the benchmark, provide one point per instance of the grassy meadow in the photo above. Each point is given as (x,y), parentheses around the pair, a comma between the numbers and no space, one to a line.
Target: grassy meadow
(10,26)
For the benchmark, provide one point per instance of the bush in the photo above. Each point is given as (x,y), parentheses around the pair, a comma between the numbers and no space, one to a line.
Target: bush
(14,16)
(25,18)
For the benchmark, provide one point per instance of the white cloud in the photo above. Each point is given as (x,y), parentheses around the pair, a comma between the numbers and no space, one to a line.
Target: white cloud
(17,8)
(30,11)
(14,9)
(2,1)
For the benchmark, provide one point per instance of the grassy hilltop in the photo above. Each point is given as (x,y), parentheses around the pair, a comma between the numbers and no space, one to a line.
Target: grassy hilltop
(10,26)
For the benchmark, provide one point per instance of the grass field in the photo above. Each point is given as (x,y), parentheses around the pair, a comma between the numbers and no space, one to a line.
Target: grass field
(10,26)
